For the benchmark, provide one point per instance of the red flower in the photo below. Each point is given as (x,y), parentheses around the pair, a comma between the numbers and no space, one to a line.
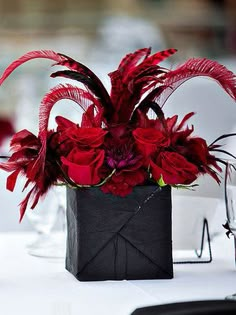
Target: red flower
(149,141)
(83,166)
(122,183)
(173,168)
(86,137)
(121,154)
(71,135)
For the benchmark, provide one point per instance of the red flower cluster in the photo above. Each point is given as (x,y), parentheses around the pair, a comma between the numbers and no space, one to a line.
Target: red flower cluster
(116,146)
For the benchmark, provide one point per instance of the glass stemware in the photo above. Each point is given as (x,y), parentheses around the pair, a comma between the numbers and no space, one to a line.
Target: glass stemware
(48,220)
(230,203)
(230,197)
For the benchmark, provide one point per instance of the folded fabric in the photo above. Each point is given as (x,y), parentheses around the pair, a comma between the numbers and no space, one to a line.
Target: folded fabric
(115,238)
(210,307)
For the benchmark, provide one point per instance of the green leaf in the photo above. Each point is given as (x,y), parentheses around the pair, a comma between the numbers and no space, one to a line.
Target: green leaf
(161,182)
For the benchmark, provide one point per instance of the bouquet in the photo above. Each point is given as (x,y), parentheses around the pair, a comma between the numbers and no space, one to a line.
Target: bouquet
(118,144)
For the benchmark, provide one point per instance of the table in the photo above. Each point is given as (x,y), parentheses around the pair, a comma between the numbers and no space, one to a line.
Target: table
(32,285)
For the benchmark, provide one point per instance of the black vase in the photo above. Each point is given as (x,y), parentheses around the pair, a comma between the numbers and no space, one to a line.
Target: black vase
(116,238)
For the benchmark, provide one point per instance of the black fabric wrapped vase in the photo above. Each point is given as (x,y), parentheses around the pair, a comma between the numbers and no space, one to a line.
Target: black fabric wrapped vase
(116,238)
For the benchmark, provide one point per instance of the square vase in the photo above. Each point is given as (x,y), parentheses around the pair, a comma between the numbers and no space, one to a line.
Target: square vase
(116,238)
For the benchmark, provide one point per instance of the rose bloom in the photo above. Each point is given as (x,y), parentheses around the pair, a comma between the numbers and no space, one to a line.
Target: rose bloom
(149,141)
(173,168)
(70,133)
(83,166)
(85,137)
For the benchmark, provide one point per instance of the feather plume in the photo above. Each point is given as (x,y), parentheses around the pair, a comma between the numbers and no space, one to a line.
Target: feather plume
(23,205)
(151,71)
(223,151)
(83,98)
(186,117)
(131,80)
(11,180)
(148,103)
(159,57)
(157,110)
(196,67)
(130,60)
(90,119)
(47,54)
(148,62)
(222,137)
(86,72)
(91,85)
(37,170)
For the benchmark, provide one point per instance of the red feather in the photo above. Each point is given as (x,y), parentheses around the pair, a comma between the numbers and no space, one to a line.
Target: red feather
(83,98)
(196,67)
(148,62)
(24,203)
(47,54)
(82,69)
(186,117)
(90,120)
(131,80)
(11,180)
(130,60)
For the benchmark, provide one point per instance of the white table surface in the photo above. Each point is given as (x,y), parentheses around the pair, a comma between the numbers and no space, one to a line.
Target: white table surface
(31,285)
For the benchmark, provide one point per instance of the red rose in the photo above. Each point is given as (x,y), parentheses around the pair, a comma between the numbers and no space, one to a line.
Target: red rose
(173,168)
(149,140)
(87,137)
(83,166)
(83,137)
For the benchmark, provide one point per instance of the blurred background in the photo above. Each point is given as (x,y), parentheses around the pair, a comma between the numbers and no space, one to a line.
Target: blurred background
(98,33)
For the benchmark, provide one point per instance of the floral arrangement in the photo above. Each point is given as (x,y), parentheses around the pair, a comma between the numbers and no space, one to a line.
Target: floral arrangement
(117,145)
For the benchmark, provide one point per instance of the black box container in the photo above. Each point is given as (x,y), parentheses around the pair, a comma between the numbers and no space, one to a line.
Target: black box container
(116,238)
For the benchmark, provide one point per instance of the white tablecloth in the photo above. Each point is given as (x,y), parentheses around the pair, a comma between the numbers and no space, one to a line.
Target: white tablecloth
(31,285)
